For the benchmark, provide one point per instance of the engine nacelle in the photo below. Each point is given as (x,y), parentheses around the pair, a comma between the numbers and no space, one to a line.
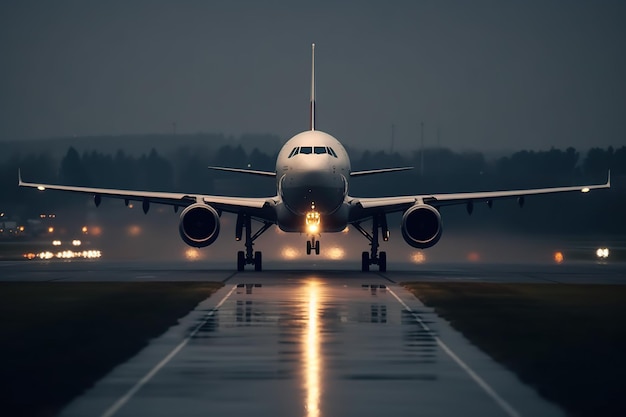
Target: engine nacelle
(199,225)
(421,226)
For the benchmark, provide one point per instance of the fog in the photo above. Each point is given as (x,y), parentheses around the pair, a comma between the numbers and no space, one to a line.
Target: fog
(503,233)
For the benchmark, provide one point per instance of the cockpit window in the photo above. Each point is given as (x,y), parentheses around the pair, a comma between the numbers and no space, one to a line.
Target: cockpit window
(308,150)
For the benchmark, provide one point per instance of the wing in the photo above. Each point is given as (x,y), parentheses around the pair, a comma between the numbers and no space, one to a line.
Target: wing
(245,171)
(378,171)
(364,207)
(257,207)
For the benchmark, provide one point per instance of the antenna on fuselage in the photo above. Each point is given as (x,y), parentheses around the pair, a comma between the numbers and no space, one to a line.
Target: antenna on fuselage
(312,109)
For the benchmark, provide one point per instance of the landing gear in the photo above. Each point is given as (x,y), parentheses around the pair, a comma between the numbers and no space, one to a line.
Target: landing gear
(241,260)
(313,245)
(379,221)
(246,258)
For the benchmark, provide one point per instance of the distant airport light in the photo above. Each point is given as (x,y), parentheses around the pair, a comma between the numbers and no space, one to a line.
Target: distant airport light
(336,253)
(288,252)
(585,190)
(50,229)
(134,230)
(76,242)
(558,257)
(192,254)
(602,253)
(418,257)
(473,257)
(56,243)
(85,230)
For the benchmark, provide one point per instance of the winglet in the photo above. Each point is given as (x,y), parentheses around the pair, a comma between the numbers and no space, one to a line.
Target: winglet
(312,109)
(19,177)
(608,179)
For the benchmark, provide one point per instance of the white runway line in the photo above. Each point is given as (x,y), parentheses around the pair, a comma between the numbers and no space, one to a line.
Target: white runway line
(143,381)
(508,408)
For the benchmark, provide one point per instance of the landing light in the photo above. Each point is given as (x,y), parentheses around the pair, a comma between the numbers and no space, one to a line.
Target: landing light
(602,253)
(313,222)
(41,188)
(585,190)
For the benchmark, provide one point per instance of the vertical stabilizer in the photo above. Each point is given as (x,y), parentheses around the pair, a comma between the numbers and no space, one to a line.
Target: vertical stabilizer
(312,109)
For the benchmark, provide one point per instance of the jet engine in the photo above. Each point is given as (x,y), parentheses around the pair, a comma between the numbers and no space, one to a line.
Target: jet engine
(421,226)
(199,225)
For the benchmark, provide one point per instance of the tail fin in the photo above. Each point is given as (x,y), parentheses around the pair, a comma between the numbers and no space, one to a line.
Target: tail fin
(312,109)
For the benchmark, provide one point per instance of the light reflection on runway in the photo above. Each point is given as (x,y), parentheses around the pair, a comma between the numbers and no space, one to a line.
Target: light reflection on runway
(313,345)
(312,359)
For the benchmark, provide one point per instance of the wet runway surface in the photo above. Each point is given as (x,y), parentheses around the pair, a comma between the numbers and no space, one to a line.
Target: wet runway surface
(311,343)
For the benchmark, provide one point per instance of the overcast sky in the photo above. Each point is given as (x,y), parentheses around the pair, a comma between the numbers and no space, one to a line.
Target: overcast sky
(489,75)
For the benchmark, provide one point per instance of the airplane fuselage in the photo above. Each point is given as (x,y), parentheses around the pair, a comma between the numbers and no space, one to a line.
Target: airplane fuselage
(312,171)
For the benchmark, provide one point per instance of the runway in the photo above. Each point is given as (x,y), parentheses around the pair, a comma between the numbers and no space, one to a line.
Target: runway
(98,270)
(311,343)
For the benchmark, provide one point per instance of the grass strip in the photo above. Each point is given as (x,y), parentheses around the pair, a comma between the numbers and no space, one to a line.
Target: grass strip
(567,341)
(58,339)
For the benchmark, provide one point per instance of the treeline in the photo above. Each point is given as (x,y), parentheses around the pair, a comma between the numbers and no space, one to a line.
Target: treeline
(185,170)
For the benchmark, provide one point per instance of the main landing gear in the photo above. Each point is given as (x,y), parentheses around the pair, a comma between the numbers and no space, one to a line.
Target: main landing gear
(379,221)
(246,258)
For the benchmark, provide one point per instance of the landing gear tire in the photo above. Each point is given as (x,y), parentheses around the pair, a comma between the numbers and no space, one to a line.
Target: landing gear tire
(382,262)
(365,261)
(258,261)
(317,247)
(241,261)
(308,247)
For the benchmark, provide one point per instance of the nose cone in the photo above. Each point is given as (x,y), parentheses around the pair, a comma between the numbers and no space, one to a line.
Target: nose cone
(302,188)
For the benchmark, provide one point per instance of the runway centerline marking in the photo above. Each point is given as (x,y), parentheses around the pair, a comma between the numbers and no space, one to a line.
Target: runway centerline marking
(508,408)
(143,381)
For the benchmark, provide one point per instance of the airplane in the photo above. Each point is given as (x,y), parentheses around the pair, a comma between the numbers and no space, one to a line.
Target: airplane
(312,197)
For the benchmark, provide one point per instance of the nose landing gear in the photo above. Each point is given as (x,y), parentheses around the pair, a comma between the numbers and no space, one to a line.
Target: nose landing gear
(313,245)
(312,224)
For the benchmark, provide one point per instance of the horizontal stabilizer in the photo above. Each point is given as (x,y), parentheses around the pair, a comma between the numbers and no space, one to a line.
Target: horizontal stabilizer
(245,171)
(378,171)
